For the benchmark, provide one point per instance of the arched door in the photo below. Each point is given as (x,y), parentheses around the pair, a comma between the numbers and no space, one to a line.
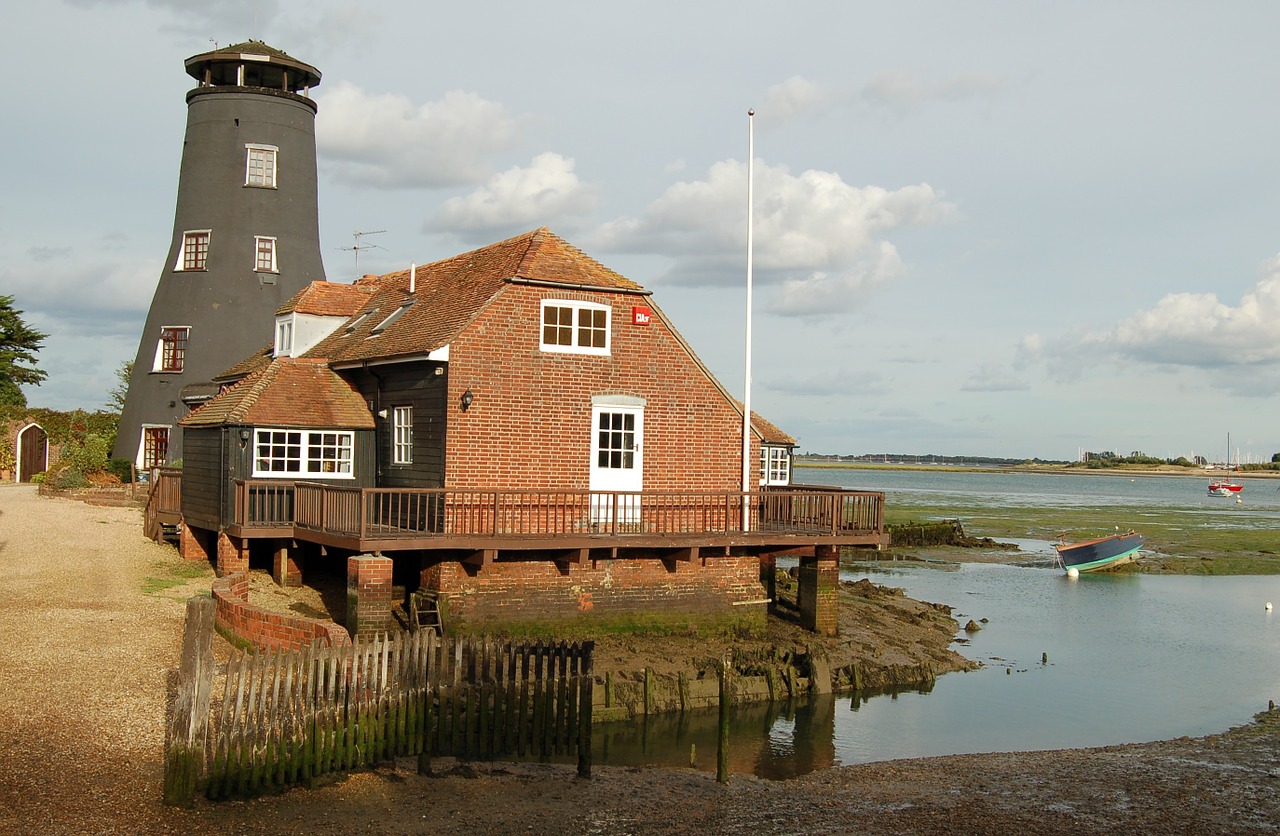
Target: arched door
(33,451)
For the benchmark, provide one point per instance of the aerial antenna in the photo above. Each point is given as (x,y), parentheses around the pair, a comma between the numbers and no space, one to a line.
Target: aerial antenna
(356,248)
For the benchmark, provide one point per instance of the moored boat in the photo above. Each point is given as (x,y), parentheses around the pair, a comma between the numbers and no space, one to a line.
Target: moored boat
(1224,487)
(1099,553)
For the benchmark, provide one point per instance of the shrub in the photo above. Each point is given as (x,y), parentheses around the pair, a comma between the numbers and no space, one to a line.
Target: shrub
(122,469)
(85,455)
(66,479)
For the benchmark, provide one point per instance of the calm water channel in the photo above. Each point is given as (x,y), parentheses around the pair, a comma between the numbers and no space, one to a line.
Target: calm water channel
(1130,658)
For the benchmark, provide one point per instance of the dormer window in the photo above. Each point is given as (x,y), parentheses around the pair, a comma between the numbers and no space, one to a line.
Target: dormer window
(260,166)
(391,318)
(575,327)
(284,336)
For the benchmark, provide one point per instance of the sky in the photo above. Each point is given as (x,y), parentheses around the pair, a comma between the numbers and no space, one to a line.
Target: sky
(987,228)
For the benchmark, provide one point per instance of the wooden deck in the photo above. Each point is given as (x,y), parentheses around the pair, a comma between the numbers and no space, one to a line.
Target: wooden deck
(402,519)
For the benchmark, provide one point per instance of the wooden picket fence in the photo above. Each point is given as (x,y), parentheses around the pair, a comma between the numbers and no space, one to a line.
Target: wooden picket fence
(278,719)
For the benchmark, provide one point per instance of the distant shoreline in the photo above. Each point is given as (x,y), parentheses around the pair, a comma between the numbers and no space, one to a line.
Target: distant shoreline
(1047,469)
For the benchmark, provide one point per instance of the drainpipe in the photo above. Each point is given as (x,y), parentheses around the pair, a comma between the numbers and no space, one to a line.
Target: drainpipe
(377,431)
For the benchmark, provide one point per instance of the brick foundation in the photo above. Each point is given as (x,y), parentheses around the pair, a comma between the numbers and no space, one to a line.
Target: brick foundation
(267,630)
(233,555)
(369,595)
(194,543)
(819,591)
(631,594)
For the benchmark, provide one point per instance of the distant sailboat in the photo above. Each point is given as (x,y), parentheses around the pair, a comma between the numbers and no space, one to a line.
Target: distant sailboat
(1225,486)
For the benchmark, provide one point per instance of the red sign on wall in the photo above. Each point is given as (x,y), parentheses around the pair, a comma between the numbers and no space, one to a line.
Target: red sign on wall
(640,315)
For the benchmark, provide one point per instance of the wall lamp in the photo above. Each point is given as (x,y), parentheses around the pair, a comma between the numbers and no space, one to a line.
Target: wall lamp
(467,398)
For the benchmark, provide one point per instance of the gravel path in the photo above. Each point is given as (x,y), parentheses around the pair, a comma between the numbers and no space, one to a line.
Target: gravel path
(91,634)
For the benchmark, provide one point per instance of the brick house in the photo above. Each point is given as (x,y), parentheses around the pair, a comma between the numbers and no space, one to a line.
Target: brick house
(517,431)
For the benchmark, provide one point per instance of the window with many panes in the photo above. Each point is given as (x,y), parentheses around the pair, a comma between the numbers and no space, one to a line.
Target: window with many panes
(775,465)
(264,259)
(195,250)
(155,447)
(616,442)
(575,327)
(171,350)
(324,453)
(402,435)
(260,168)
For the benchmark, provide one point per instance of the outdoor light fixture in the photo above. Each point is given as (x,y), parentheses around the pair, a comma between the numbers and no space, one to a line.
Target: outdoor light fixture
(244,434)
(467,398)
(382,413)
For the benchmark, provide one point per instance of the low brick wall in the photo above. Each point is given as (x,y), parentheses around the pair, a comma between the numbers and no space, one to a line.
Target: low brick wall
(541,596)
(268,630)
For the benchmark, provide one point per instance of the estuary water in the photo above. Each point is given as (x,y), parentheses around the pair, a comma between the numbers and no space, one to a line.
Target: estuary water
(1066,663)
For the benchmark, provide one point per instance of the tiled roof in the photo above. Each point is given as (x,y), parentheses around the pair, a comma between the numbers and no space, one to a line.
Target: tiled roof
(249,365)
(449,294)
(287,393)
(769,432)
(328,299)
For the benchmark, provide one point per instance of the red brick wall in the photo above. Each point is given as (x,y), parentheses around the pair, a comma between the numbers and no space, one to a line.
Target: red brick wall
(268,630)
(369,595)
(530,423)
(641,593)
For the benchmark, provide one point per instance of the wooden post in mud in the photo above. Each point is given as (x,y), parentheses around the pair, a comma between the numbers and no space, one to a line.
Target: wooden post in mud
(722,749)
(586,685)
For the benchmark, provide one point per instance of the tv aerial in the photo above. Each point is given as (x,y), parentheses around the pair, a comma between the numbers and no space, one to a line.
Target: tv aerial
(357,246)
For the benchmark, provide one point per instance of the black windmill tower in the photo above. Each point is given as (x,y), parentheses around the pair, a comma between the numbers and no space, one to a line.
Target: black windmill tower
(246,237)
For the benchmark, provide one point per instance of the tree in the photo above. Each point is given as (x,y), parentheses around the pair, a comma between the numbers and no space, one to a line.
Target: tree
(18,346)
(115,398)
(1275,458)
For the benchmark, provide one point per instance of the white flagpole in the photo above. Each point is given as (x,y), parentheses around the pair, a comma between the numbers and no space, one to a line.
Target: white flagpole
(746,398)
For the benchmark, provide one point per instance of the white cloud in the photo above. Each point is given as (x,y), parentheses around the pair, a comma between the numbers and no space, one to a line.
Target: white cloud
(794,97)
(545,192)
(816,237)
(1196,329)
(386,141)
(198,18)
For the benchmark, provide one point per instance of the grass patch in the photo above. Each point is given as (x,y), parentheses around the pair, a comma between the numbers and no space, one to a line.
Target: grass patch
(150,586)
(1178,540)
(171,573)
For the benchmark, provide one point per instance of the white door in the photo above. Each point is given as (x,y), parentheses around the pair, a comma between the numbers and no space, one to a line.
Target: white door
(617,460)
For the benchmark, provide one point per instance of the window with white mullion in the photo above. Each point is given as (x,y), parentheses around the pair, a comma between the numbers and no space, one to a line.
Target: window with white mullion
(402,435)
(293,452)
(260,166)
(574,327)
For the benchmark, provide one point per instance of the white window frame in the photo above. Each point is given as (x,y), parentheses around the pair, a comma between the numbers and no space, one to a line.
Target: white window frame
(258,241)
(576,327)
(269,153)
(391,318)
(140,460)
(284,336)
(310,454)
(190,239)
(775,465)
(402,435)
(158,365)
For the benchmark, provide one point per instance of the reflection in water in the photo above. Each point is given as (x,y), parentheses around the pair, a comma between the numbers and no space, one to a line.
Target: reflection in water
(770,740)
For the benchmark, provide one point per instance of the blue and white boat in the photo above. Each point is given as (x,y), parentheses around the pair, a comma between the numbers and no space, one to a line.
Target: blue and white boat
(1099,553)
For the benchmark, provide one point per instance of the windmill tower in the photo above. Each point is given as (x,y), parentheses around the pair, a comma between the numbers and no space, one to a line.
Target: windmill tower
(246,237)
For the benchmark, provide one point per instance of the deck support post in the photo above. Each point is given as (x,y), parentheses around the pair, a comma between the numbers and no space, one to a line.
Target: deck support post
(819,590)
(286,563)
(769,578)
(369,595)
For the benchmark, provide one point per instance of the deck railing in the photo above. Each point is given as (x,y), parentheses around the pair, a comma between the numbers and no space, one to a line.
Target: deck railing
(409,513)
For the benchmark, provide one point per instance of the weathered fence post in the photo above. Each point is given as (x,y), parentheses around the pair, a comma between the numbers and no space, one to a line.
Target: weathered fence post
(586,685)
(722,750)
(184,761)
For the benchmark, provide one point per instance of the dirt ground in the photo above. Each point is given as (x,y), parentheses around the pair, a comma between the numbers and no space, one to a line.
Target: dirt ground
(92,614)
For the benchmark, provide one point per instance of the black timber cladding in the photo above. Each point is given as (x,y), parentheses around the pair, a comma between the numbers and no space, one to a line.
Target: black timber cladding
(416,385)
